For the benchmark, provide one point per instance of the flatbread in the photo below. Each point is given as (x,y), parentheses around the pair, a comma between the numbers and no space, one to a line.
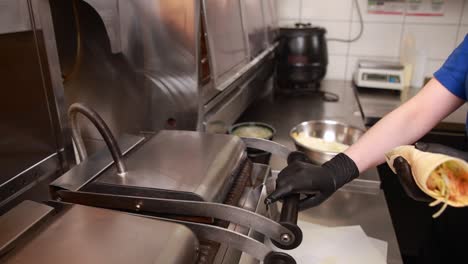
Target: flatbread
(422,165)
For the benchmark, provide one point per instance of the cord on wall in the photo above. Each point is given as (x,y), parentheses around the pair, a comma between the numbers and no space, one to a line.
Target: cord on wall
(361,30)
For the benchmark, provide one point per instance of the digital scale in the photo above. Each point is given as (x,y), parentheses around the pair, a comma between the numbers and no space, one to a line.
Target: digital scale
(379,75)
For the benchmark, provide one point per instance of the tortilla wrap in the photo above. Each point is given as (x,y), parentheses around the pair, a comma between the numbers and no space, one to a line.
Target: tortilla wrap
(422,165)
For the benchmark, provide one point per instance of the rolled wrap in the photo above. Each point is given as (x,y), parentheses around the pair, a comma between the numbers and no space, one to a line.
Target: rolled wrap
(422,165)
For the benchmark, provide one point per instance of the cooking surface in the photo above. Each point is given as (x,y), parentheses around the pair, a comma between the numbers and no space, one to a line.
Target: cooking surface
(91,235)
(347,208)
(174,162)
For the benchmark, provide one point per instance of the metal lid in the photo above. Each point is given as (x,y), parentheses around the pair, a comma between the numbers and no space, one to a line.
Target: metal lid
(180,165)
(302,28)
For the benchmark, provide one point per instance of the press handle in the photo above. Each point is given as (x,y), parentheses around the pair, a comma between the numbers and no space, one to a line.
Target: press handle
(290,210)
(279,258)
(302,25)
(288,219)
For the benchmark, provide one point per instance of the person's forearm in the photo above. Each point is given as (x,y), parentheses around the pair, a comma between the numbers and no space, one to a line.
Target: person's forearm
(404,125)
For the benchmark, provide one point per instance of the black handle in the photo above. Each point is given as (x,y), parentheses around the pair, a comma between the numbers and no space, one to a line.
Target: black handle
(278,258)
(302,25)
(288,219)
(290,209)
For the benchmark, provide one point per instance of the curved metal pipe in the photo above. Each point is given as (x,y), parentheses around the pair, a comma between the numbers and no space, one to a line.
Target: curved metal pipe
(103,129)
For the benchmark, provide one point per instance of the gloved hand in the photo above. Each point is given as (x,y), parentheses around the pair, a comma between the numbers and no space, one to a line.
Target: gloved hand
(403,169)
(316,182)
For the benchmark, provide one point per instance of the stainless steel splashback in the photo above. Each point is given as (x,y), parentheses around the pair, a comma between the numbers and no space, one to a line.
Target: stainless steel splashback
(132,61)
(166,33)
(238,31)
(255,26)
(137,63)
(241,40)
(226,38)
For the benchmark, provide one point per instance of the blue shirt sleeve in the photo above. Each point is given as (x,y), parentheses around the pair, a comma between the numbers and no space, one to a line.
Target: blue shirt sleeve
(453,74)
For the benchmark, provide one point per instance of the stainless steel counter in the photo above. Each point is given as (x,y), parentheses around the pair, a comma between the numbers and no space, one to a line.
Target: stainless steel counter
(285,112)
(347,208)
(358,203)
(377,103)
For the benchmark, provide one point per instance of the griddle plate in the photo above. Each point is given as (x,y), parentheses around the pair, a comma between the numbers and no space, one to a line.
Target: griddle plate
(91,235)
(181,164)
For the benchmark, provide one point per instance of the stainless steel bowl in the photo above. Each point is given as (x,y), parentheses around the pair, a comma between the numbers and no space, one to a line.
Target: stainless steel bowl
(325,129)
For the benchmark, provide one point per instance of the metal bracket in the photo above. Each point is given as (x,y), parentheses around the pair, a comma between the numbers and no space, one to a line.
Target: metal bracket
(264,225)
(239,241)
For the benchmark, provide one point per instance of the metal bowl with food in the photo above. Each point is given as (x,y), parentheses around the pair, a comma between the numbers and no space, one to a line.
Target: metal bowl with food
(321,140)
(255,130)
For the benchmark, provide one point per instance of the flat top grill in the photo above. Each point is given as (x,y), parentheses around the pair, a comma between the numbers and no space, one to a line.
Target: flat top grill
(180,165)
(84,234)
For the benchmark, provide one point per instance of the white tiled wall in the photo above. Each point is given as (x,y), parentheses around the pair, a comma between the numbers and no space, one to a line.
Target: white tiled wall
(289,10)
(465,15)
(462,32)
(372,17)
(383,34)
(437,41)
(335,10)
(336,67)
(377,40)
(335,29)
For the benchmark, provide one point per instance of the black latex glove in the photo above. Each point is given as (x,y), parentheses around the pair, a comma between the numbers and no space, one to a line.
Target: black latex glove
(316,182)
(403,169)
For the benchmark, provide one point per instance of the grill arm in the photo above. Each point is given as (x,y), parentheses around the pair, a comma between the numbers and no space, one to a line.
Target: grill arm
(290,209)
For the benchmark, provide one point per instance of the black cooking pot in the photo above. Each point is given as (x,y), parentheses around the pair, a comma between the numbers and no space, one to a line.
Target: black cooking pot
(302,56)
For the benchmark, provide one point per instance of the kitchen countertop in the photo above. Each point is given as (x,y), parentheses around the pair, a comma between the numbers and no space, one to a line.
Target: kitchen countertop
(285,112)
(358,203)
(377,103)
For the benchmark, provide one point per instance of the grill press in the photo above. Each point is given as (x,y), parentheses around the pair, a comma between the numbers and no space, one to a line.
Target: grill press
(183,176)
